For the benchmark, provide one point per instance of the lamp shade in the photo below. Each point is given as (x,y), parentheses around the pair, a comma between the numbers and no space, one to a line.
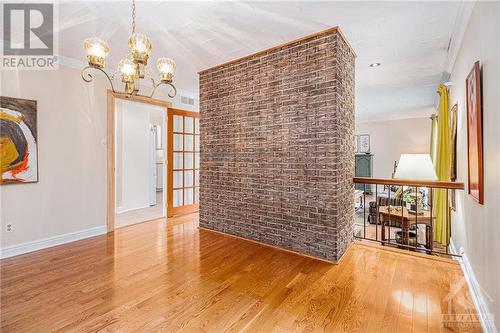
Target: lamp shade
(126,67)
(166,66)
(415,167)
(141,47)
(97,50)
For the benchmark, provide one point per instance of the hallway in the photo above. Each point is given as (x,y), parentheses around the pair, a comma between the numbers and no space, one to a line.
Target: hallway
(142,214)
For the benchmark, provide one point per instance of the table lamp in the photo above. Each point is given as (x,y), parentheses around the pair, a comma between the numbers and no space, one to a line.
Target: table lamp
(415,167)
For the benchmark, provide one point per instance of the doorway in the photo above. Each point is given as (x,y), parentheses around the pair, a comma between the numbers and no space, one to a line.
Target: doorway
(137,159)
(184,152)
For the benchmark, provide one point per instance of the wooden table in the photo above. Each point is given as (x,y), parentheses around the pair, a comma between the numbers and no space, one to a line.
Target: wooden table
(406,219)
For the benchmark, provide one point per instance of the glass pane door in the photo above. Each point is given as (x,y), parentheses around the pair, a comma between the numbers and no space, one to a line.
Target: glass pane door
(183,161)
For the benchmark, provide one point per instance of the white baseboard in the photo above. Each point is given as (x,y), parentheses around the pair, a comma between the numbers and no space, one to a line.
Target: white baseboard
(485,315)
(120,210)
(18,249)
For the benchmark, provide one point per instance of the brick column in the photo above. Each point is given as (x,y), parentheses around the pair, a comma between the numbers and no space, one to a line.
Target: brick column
(277,146)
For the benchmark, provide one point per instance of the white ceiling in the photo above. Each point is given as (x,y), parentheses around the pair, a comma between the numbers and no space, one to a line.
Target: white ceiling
(410,39)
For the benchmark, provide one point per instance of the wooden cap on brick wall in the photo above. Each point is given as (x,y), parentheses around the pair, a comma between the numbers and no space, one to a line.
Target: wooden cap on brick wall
(334,29)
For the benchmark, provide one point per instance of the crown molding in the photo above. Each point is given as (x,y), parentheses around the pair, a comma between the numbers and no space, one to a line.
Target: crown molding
(461,21)
(394,116)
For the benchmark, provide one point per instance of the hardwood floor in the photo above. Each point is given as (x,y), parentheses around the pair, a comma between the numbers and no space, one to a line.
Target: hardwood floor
(151,277)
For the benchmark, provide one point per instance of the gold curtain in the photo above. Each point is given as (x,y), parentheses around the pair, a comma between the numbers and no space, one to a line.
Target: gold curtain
(442,163)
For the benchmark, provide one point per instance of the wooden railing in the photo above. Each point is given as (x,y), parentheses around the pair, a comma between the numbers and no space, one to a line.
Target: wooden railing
(401,213)
(404,182)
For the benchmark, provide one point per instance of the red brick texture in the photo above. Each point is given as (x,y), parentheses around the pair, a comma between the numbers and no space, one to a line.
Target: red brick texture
(277,146)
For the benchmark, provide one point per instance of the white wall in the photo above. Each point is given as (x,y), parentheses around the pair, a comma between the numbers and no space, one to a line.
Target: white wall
(389,139)
(135,166)
(159,119)
(156,117)
(69,201)
(476,228)
(177,100)
(71,193)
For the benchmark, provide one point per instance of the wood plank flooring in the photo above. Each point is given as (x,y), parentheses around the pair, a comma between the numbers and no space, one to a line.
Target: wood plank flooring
(152,277)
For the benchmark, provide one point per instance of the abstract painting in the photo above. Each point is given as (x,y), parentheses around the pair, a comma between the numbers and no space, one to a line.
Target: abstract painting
(18,141)
(475,134)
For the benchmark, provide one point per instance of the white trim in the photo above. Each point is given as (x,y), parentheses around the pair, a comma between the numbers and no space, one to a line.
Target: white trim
(461,21)
(480,302)
(44,243)
(360,120)
(464,13)
(121,210)
(129,223)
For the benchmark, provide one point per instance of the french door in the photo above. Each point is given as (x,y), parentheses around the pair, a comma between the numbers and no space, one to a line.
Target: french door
(183,161)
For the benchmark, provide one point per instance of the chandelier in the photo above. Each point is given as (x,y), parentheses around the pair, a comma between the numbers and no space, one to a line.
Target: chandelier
(133,68)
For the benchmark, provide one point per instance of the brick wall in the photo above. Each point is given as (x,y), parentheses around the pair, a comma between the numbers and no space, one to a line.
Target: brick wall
(277,146)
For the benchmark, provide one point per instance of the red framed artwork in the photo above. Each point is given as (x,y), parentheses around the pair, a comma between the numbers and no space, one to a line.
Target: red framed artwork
(475,134)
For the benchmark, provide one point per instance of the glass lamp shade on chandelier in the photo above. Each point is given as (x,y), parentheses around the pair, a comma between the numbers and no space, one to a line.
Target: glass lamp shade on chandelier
(132,68)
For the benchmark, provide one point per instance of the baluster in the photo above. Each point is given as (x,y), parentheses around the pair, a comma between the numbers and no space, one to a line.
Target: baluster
(447,222)
(416,218)
(377,216)
(388,213)
(402,212)
(364,210)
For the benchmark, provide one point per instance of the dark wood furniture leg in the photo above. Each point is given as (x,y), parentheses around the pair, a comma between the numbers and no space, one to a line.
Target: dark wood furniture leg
(381,218)
(405,229)
(429,237)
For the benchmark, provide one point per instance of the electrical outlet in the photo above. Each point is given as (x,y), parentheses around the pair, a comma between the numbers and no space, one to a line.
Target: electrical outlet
(9,227)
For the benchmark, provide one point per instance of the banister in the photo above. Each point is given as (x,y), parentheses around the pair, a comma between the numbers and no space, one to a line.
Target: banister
(405,182)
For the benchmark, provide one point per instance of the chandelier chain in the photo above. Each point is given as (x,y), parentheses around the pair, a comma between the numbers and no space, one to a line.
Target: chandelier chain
(133,17)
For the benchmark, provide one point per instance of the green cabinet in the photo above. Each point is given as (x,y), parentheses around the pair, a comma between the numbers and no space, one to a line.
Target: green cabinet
(363,168)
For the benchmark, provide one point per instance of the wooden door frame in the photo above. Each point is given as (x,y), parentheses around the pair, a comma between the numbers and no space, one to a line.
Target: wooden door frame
(110,147)
(171,211)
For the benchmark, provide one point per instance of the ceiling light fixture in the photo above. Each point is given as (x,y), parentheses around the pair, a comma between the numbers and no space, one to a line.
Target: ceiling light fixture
(133,68)
(375,64)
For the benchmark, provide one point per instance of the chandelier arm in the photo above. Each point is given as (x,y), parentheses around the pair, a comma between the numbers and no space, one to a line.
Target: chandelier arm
(88,77)
(155,85)
(172,92)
